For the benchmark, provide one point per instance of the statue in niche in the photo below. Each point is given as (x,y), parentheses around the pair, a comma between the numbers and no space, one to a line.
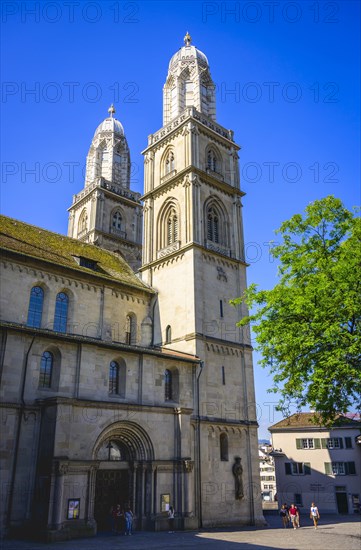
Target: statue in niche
(238,481)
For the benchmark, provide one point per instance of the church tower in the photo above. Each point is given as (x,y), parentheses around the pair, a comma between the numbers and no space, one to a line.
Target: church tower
(193,256)
(107,213)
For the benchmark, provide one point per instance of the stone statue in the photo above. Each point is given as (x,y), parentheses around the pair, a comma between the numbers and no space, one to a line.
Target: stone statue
(237,472)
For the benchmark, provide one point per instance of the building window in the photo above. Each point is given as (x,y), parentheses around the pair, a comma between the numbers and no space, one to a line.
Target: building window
(334,443)
(212,225)
(223,444)
(130,329)
(221,308)
(298,499)
(172,227)
(61,312)
(340,468)
(348,442)
(169,163)
(308,443)
(117,221)
(297,468)
(223,377)
(168,385)
(113,378)
(212,161)
(168,334)
(83,222)
(46,369)
(35,310)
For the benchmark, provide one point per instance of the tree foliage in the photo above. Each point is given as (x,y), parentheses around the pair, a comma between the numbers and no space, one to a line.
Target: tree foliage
(308,326)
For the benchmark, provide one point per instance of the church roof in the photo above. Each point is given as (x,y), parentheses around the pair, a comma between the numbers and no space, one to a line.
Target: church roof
(305,421)
(110,124)
(187,53)
(59,250)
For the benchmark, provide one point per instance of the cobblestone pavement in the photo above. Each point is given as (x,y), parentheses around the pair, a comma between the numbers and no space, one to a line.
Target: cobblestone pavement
(334,532)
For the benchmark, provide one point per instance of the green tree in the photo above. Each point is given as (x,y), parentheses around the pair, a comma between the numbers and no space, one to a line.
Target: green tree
(308,326)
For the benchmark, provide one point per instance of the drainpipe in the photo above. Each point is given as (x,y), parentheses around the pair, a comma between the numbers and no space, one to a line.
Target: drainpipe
(201,364)
(17,437)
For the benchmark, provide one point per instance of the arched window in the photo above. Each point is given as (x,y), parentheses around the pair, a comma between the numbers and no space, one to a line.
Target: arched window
(117,221)
(104,158)
(212,225)
(223,444)
(46,370)
(113,378)
(168,393)
(35,310)
(61,312)
(130,329)
(83,222)
(172,227)
(212,161)
(169,163)
(168,334)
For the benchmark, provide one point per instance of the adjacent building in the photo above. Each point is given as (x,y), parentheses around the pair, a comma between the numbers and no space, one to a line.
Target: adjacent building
(318,464)
(124,387)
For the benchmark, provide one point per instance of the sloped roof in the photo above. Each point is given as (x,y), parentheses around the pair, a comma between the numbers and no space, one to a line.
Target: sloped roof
(305,420)
(59,250)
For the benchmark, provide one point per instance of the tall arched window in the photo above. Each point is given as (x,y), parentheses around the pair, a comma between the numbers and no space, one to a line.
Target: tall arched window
(61,312)
(212,161)
(46,370)
(212,225)
(35,310)
(168,390)
(223,444)
(83,222)
(113,378)
(117,221)
(172,227)
(168,334)
(104,158)
(130,329)
(169,163)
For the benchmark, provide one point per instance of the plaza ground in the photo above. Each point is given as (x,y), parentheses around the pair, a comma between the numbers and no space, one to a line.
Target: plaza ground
(336,532)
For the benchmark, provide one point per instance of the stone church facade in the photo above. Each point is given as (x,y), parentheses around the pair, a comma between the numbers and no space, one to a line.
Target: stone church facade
(124,378)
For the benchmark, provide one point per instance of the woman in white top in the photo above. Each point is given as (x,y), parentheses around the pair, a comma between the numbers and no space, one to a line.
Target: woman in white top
(314,514)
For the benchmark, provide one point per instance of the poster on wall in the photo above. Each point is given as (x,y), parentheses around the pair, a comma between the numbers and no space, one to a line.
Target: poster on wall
(164,502)
(73,508)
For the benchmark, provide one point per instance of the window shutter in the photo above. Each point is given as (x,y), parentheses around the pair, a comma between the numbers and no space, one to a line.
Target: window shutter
(317,443)
(348,443)
(307,468)
(350,468)
(328,468)
(288,468)
(324,443)
(341,442)
(298,444)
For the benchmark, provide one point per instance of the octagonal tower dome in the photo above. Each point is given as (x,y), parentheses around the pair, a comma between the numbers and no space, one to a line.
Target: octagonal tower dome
(108,155)
(188,83)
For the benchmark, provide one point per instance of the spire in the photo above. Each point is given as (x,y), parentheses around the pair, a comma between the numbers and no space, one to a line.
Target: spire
(187,39)
(111,110)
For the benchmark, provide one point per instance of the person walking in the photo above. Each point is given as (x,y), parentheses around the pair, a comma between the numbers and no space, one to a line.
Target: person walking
(284,515)
(128,521)
(118,517)
(171,519)
(294,515)
(314,514)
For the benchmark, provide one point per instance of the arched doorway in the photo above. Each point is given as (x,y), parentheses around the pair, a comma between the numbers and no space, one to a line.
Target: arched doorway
(125,455)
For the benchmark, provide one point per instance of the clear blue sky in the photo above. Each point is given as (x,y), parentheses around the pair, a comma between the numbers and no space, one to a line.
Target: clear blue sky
(287,76)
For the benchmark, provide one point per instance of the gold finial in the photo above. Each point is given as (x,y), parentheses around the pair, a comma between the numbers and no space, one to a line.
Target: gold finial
(187,39)
(111,110)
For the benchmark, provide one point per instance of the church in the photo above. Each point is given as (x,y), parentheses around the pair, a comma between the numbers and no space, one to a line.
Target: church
(124,378)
